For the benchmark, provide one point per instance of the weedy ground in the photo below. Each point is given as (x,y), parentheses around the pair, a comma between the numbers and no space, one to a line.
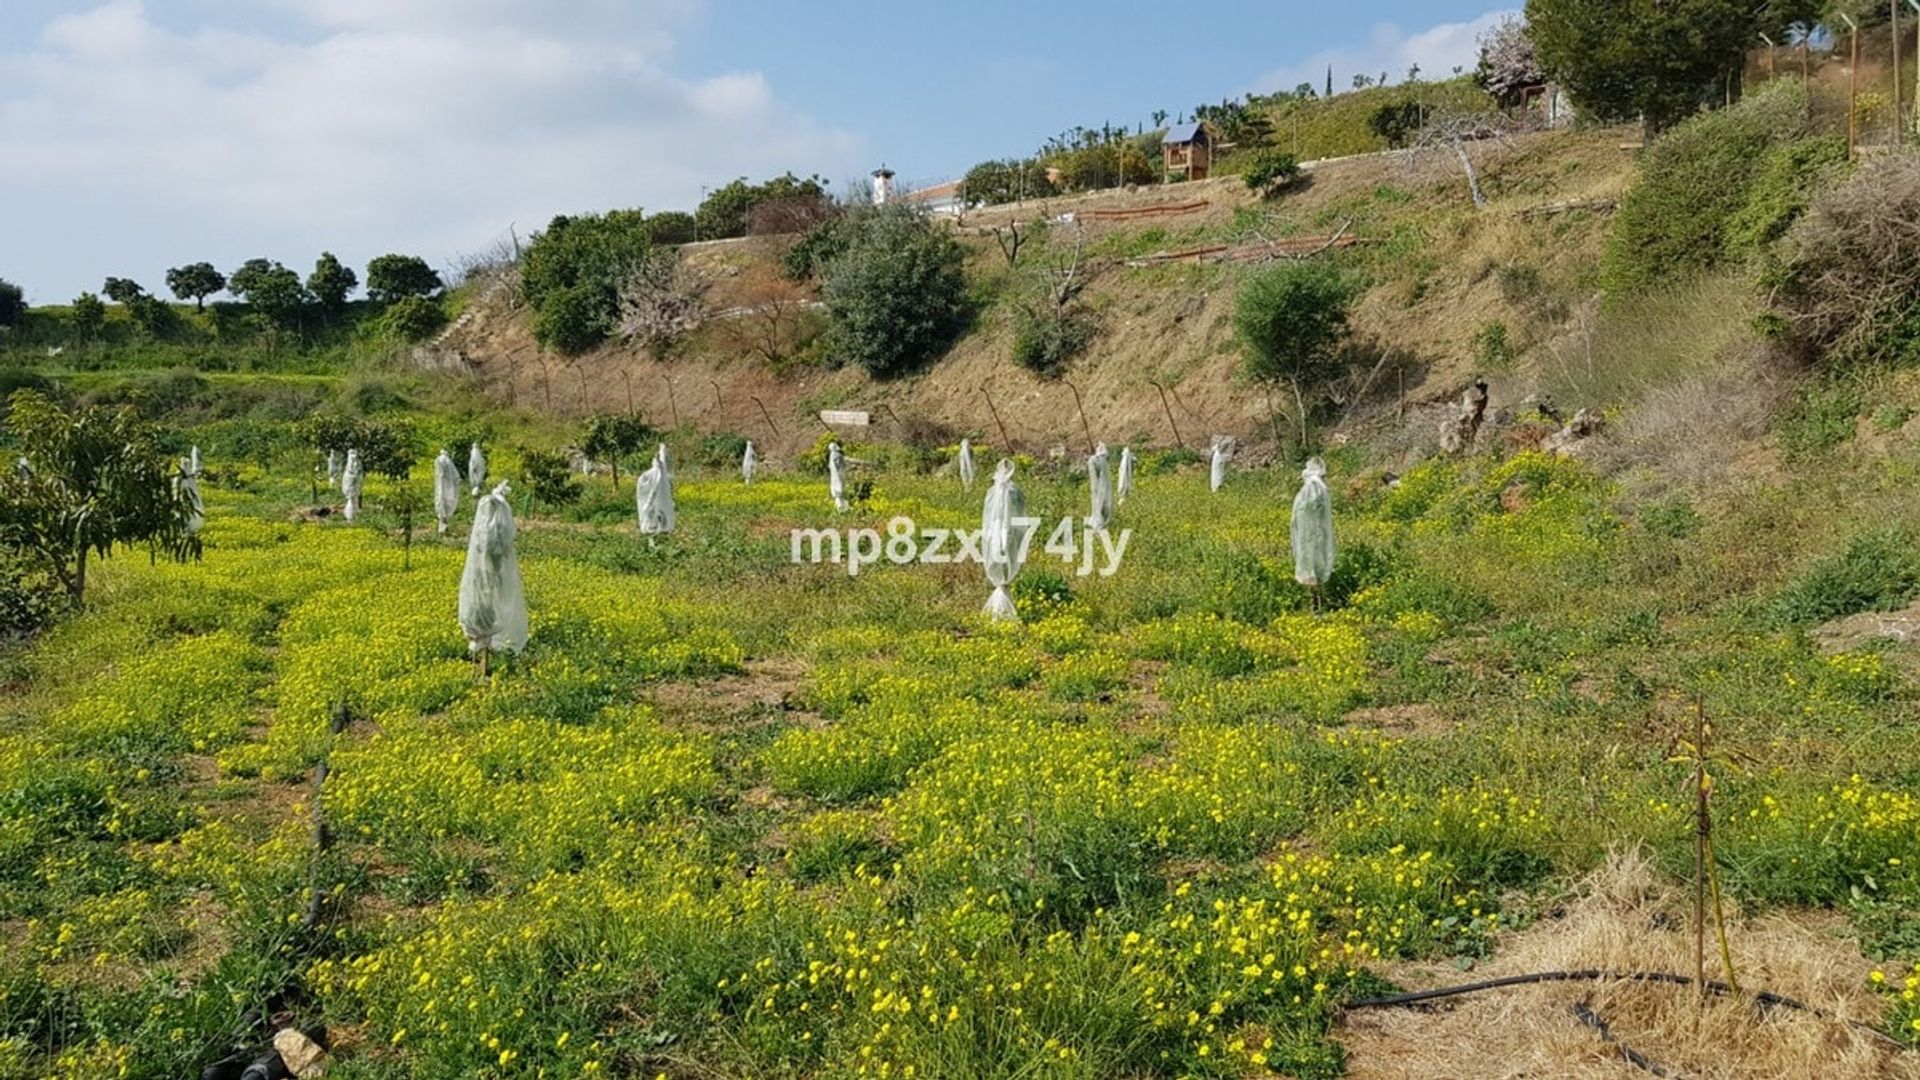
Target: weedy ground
(733,817)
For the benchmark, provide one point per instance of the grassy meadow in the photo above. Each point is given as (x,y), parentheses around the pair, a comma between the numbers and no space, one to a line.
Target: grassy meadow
(728,816)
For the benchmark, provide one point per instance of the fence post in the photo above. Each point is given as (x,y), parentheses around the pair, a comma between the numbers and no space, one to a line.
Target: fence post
(1005,439)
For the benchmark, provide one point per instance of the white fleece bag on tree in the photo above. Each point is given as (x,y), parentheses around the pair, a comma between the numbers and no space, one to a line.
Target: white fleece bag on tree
(1123,484)
(493,602)
(476,469)
(837,477)
(446,489)
(965,463)
(747,463)
(1003,540)
(1313,527)
(352,479)
(1222,447)
(653,496)
(333,469)
(188,486)
(1100,481)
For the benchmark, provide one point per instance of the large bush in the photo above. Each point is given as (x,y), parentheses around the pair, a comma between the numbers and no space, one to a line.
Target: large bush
(991,183)
(1292,320)
(1271,172)
(1046,339)
(13,303)
(413,318)
(1848,286)
(573,271)
(896,295)
(1678,219)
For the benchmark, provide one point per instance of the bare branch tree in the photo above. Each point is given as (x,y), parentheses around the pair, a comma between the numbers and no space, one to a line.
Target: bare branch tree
(1453,132)
(662,301)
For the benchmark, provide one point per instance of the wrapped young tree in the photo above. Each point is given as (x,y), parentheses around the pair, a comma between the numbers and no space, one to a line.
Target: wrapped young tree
(1222,449)
(837,477)
(446,489)
(493,601)
(1100,483)
(333,469)
(653,496)
(476,469)
(1123,484)
(1003,540)
(1312,528)
(188,490)
(352,480)
(965,462)
(747,463)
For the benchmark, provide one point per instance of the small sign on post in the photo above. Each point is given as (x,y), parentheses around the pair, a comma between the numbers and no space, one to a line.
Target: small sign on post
(845,417)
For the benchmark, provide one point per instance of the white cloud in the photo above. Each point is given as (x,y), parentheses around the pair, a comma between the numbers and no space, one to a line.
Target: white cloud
(1437,49)
(370,125)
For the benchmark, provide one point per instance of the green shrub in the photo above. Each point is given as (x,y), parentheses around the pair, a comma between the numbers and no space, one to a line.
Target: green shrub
(1879,571)
(896,295)
(574,319)
(13,304)
(1292,320)
(573,271)
(548,479)
(1271,172)
(1493,347)
(1784,186)
(412,319)
(1396,124)
(1678,219)
(1820,418)
(1046,341)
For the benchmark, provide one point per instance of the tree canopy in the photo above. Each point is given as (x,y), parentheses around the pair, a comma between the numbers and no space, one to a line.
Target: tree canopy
(13,303)
(92,480)
(195,282)
(330,283)
(391,276)
(896,295)
(1292,320)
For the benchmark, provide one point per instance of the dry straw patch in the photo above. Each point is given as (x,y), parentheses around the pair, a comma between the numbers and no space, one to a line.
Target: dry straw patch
(1626,920)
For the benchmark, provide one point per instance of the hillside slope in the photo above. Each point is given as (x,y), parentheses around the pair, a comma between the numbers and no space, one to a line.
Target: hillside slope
(1439,271)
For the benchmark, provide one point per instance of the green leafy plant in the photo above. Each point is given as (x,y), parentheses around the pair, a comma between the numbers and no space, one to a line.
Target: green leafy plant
(1271,173)
(1292,319)
(1047,338)
(896,295)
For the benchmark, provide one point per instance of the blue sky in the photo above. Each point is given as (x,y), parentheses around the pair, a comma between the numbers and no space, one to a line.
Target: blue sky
(139,135)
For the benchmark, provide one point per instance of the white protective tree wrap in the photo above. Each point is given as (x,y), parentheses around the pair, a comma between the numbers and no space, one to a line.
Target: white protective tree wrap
(1003,540)
(653,496)
(446,489)
(965,464)
(1100,485)
(1123,483)
(493,602)
(188,485)
(1313,527)
(837,477)
(476,469)
(352,479)
(1222,449)
(333,469)
(747,463)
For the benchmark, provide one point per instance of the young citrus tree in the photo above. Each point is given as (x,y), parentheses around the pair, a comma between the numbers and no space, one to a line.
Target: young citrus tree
(88,481)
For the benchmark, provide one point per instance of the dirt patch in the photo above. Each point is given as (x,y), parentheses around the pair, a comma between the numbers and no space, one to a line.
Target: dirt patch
(767,686)
(1419,720)
(1626,920)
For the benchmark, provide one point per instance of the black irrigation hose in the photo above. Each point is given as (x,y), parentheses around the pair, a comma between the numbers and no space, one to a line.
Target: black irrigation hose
(1766,999)
(1632,1057)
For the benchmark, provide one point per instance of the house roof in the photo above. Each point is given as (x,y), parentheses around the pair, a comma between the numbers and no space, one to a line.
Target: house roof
(935,193)
(1183,133)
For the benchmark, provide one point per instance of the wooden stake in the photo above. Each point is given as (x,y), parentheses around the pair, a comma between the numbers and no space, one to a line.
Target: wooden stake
(1177,440)
(1893,11)
(767,416)
(1084,428)
(672,405)
(1005,439)
(486,655)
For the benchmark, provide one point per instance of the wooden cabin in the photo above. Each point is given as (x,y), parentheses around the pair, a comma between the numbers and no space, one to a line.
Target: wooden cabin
(1187,150)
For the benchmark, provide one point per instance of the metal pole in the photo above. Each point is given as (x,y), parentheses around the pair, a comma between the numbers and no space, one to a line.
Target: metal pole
(1177,440)
(1893,18)
(1853,91)
(767,415)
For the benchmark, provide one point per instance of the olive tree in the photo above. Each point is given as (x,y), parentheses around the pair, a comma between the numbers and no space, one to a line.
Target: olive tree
(896,295)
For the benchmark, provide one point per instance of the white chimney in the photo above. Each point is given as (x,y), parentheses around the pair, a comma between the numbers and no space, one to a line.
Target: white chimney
(882,186)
